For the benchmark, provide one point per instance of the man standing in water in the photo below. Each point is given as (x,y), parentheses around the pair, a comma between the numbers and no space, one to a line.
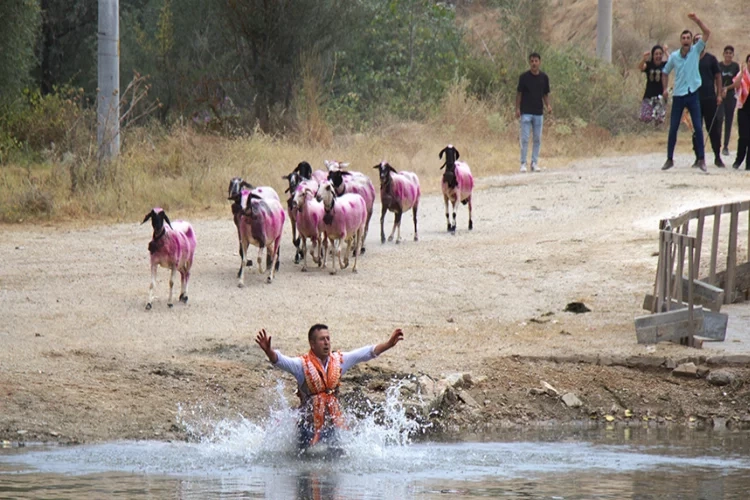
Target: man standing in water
(532,97)
(318,374)
(687,81)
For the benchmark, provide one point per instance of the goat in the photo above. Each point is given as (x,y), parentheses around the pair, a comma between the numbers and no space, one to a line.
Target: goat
(399,192)
(172,246)
(303,172)
(261,224)
(345,219)
(457,184)
(344,182)
(236,185)
(309,214)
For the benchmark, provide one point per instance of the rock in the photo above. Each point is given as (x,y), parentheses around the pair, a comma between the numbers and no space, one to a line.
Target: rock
(21,432)
(551,390)
(721,377)
(571,400)
(466,398)
(702,371)
(670,364)
(458,380)
(577,307)
(734,359)
(686,370)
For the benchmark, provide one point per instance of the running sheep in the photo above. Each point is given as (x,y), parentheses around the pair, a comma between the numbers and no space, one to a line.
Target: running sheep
(261,224)
(344,221)
(457,184)
(236,185)
(399,192)
(172,246)
(345,181)
(309,214)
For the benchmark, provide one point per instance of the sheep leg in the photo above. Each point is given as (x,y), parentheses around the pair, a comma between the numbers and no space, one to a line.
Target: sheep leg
(151,288)
(396,225)
(261,267)
(447,217)
(471,223)
(414,214)
(276,245)
(324,250)
(303,243)
(335,252)
(357,242)
(383,211)
(184,278)
(367,228)
(348,252)
(295,241)
(172,272)
(453,206)
(241,273)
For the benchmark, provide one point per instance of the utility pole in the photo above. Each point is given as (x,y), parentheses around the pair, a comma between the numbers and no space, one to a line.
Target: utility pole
(108,70)
(604,30)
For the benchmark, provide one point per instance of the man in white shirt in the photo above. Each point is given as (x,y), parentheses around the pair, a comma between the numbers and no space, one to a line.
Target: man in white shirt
(318,374)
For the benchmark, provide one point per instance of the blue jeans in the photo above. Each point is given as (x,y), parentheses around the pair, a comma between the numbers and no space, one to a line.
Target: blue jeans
(693,104)
(527,123)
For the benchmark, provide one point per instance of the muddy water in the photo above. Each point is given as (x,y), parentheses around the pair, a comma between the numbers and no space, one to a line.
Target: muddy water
(615,463)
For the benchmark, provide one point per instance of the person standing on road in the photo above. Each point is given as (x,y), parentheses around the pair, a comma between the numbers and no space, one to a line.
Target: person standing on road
(653,106)
(741,85)
(729,69)
(710,99)
(532,97)
(687,81)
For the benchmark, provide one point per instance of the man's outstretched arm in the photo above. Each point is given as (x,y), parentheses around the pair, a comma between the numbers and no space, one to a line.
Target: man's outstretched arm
(264,341)
(396,337)
(704,29)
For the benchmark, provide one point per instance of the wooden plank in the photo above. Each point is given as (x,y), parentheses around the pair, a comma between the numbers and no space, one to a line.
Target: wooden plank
(708,296)
(699,241)
(714,323)
(714,247)
(672,325)
(732,254)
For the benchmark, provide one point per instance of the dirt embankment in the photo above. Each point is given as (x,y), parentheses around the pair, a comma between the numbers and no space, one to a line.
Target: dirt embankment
(82,360)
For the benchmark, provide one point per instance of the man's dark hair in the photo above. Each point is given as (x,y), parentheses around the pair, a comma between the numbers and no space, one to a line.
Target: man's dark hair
(687,31)
(729,48)
(316,327)
(535,54)
(747,59)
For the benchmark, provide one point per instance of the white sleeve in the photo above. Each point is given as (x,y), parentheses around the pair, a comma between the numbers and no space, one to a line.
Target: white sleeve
(360,355)
(290,365)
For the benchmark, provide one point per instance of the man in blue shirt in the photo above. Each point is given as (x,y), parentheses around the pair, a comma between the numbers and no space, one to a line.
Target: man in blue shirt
(687,81)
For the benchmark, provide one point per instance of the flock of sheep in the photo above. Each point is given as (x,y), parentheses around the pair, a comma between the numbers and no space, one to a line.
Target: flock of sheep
(328,208)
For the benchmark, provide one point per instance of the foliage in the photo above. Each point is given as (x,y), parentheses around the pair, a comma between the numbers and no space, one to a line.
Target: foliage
(17,38)
(401,60)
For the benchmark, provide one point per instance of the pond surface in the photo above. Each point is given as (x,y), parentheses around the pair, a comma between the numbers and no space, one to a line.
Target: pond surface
(245,459)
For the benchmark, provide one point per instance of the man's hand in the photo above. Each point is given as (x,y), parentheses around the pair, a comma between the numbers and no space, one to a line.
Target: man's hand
(693,17)
(264,341)
(396,337)
(666,95)
(718,100)
(518,113)
(549,108)
(646,55)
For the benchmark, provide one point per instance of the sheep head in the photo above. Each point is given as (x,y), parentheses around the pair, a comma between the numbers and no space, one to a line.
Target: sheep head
(336,177)
(293,179)
(326,194)
(158,218)
(333,165)
(235,188)
(385,170)
(304,170)
(451,155)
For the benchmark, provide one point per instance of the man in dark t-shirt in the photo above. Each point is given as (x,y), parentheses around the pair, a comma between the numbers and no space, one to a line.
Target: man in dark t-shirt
(729,70)
(709,94)
(532,98)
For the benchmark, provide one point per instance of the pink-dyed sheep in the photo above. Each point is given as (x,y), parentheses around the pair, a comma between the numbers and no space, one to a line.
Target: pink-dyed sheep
(303,172)
(236,185)
(355,183)
(457,184)
(172,246)
(345,220)
(309,214)
(261,224)
(399,192)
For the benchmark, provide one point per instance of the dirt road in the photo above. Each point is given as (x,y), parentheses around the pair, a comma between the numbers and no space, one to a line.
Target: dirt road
(81,358)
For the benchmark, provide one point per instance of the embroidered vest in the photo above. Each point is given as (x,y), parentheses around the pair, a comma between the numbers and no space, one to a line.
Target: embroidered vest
(324,389)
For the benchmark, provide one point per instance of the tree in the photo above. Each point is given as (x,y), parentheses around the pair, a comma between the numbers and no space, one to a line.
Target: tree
(17,39)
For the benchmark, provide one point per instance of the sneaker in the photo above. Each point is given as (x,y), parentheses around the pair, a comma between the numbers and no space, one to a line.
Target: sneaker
(719,163)
(735,165)
(696,163)
(534,167)
(701,164)
(667,165)
(523,168)
(725,151)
